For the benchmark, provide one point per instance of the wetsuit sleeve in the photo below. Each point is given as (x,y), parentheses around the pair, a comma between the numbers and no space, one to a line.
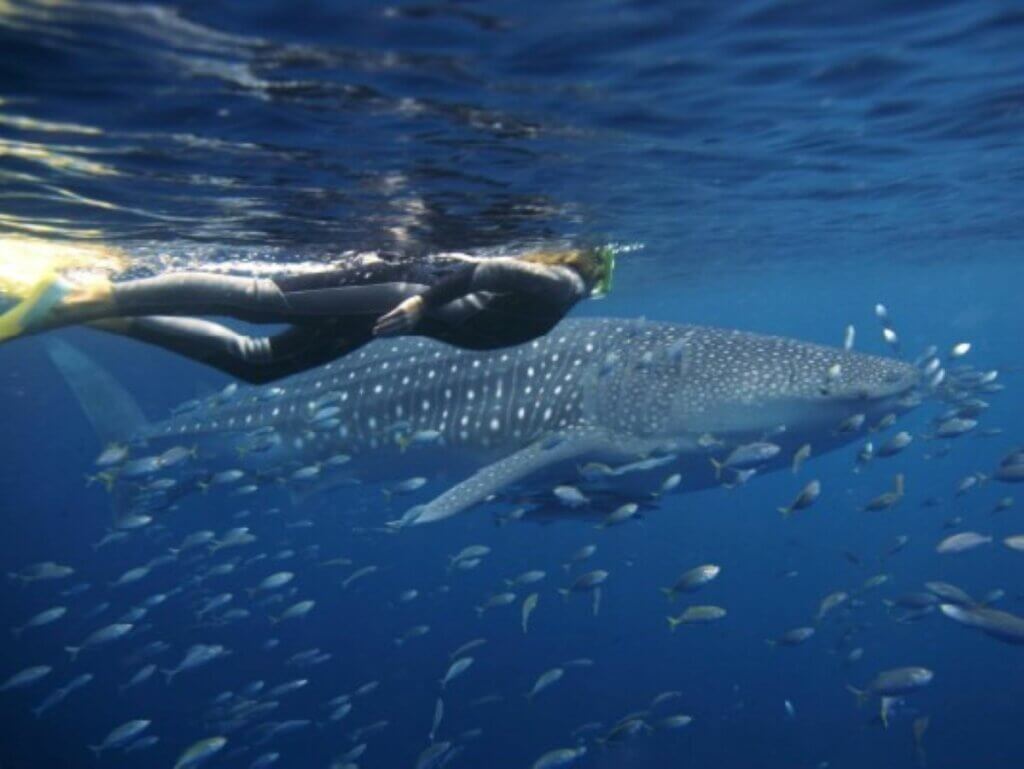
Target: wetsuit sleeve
(553,285)
(450,287)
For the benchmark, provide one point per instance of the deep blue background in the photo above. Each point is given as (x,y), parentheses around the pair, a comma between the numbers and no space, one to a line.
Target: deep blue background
(780,167)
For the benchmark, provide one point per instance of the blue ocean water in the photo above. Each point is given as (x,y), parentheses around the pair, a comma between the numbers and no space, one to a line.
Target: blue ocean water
(777,167)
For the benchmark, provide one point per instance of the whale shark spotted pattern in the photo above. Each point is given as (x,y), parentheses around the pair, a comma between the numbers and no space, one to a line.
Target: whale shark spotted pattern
(603,390)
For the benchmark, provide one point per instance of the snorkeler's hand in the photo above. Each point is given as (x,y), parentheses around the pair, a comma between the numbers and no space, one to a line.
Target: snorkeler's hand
(400,320)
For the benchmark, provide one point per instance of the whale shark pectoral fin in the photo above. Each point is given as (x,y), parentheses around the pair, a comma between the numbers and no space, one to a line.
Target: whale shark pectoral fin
(526,462)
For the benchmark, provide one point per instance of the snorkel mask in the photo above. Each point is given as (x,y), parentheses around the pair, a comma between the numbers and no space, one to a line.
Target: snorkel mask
(607,257)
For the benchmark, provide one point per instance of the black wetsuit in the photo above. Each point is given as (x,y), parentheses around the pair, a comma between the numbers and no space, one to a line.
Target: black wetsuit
(480,305)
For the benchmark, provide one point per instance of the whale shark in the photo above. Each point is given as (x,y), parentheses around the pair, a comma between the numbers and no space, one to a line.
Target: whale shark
(614,408)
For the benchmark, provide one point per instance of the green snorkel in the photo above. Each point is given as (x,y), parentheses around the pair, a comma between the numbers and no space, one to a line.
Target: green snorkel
(606,255)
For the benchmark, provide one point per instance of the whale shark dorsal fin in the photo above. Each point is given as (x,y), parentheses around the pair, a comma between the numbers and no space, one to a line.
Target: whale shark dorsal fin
(547,452)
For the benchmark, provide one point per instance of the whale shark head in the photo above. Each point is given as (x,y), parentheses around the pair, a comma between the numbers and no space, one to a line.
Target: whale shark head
(737,386)
(747,385)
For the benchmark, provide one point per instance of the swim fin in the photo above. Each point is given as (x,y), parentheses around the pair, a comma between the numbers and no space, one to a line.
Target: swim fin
(30,311)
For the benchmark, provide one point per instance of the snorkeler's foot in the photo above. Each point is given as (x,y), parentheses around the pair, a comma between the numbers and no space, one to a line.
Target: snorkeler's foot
(30,313)
(96,293)
(55,301)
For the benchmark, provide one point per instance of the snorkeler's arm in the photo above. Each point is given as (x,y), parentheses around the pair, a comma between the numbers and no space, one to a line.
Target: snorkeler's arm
(554,285)
(551,284)
(404,318)
(451,287)
(557,286)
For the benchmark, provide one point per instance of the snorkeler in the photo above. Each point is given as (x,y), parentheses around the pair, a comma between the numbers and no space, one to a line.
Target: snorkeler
(477,303)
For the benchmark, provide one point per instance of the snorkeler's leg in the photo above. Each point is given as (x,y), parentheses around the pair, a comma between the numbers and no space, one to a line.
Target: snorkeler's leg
(193,294)
(56,302)
(252,359)
(354,291)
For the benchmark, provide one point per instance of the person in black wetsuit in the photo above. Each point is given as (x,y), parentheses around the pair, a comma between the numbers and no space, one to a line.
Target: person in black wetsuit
(468,302)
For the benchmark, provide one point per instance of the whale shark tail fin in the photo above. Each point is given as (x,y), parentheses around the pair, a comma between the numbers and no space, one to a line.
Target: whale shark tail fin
(110,409)
(114,414)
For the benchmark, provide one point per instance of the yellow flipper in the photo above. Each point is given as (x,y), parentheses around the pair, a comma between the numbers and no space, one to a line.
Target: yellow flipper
(42,298)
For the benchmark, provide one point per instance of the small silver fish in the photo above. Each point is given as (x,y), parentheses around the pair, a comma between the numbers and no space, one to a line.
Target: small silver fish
(456,669)
(801,456)
(570,496)
(804,499)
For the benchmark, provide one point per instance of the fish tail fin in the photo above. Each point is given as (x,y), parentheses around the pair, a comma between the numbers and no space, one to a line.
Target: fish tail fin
(718,468)
(96,750)
(107,478)
(73,651)
(673,623)
(564,592)
(38,711)
(17,577)
(860,695)
(786,511)
(669,593)
(479,611)
(169,674)
(884,706)
(771,642)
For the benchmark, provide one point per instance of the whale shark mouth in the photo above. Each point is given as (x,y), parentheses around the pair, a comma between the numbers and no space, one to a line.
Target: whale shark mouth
(901,381)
